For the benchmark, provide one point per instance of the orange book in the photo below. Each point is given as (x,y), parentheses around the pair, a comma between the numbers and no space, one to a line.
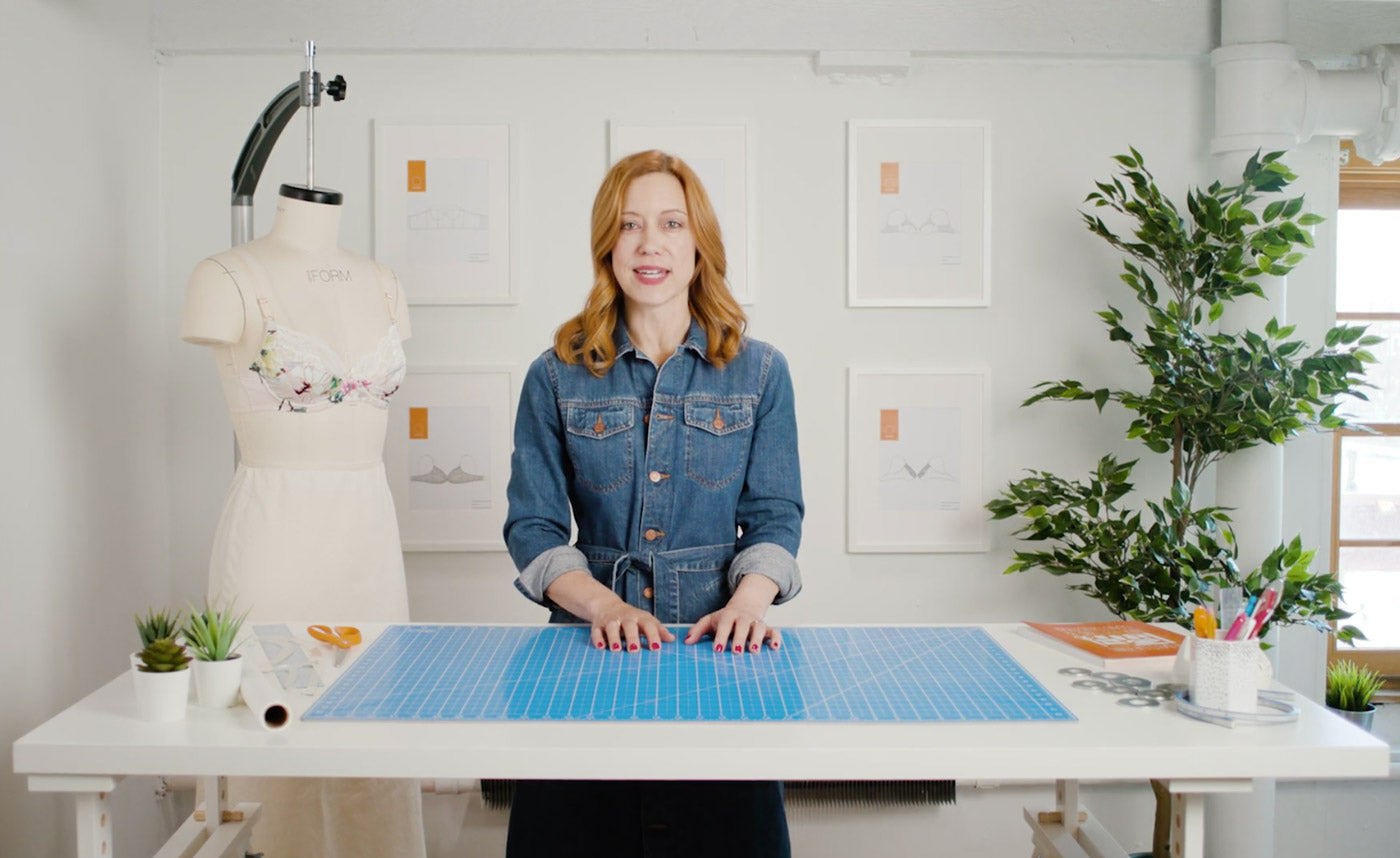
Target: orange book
(1112,643)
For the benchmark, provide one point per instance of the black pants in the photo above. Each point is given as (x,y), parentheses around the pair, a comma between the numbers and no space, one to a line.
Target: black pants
(648,819)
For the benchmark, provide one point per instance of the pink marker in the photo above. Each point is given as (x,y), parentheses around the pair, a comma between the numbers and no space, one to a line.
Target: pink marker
(1236,630)
(1265,609)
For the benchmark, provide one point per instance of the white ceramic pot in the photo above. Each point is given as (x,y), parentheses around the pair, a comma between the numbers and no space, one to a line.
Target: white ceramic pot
(161,696)
(216,682)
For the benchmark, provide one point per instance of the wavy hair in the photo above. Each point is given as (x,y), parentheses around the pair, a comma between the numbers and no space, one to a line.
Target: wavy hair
(588,337)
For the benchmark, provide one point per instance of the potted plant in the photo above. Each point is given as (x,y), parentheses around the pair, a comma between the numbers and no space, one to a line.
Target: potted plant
(212,636)
(160,671)
(1350,689)
(1207,393)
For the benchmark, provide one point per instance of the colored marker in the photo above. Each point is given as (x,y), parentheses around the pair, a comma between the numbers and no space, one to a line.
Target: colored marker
(1267,603)
(1204,621)
(1237,626)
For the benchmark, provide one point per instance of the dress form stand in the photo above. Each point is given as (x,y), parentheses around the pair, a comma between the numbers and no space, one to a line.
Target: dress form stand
(308,531)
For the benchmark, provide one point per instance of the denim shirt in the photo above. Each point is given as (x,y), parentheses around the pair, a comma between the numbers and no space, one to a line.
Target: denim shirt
(682,480)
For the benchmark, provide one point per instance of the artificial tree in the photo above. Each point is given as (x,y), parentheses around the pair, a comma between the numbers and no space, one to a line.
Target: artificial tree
(1209,393)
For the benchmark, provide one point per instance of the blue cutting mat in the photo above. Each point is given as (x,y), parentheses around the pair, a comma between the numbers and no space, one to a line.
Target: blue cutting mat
(552,673)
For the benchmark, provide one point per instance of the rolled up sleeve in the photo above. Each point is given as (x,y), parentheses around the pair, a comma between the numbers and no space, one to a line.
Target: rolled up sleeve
(770,506)
(537,527)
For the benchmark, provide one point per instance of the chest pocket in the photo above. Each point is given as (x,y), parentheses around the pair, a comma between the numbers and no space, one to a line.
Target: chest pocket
(599,440)
(717,436)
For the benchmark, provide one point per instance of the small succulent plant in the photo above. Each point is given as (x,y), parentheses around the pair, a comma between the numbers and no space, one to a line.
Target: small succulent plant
(157,624)
(210,633)
(164,655)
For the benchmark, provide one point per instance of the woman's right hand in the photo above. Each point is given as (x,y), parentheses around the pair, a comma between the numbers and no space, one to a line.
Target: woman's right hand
(617,626)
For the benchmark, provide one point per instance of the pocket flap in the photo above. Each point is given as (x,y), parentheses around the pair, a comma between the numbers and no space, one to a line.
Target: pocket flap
(718,418)
(597,422)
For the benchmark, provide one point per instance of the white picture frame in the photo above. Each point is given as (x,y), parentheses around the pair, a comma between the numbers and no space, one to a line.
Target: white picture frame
(719,155)
(442,211)
(447,457)
(915,461)
(918,213)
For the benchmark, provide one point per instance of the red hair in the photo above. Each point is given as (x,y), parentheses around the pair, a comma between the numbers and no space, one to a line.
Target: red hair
(588,337)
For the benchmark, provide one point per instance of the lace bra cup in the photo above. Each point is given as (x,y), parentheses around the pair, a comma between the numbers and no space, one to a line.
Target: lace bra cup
(300,372)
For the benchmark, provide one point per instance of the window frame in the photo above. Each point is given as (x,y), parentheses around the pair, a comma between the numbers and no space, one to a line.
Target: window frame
(1362,185)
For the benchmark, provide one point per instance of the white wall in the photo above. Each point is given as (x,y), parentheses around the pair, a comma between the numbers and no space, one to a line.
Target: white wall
(114,506)
(1050,140)
(85,523)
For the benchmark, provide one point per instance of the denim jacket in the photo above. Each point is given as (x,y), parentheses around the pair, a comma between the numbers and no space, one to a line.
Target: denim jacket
(681,480)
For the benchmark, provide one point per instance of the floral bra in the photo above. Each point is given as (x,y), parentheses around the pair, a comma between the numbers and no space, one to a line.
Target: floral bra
(294,371)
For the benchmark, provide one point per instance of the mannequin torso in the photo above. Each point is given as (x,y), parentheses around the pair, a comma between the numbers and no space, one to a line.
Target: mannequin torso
(298,277)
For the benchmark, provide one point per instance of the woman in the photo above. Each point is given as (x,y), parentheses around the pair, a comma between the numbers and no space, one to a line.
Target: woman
(672,439)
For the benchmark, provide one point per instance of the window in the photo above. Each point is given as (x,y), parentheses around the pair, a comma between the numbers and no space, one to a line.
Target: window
(1366,465)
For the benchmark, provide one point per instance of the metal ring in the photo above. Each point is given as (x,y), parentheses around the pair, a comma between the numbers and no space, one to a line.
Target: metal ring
(1123,678)
(1076,671)
(1139,701)
(1096,684)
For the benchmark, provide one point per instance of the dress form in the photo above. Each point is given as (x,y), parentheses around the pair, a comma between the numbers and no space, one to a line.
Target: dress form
(308,530)
(321,289)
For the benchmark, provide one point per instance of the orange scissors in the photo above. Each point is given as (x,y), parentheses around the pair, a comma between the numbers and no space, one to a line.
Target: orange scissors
(341,637)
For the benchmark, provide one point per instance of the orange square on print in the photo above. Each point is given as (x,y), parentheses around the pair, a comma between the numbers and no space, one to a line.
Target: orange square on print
(418,424)
(417,176)
(889,177)
(889,424)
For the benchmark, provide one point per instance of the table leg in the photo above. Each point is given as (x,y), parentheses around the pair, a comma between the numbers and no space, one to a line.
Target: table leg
(220,833)
(92,805)
(1189,813)
(1069,831)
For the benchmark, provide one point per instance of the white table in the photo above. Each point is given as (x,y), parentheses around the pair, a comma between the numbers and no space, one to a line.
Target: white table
(88,747)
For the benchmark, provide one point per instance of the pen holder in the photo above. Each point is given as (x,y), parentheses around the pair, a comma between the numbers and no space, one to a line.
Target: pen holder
(1226,674)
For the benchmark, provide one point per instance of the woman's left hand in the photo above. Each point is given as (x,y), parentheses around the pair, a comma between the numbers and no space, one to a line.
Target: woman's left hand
(740,623)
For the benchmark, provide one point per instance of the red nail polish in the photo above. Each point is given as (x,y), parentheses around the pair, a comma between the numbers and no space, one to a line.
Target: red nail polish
(777,644)
(631,647)
(719,648)
(616,647)
(599,644)
(753,647)
(738,648)
(655,645)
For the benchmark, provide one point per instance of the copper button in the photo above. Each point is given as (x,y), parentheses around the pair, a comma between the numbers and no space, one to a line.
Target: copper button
(648,593)
(652,534)
(599,426)
(718,421)
(655,476)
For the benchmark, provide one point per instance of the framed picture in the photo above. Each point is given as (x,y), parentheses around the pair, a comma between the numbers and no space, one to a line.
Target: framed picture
(719,156)
(914,462)
(447,457)
(442,211)
(918,215)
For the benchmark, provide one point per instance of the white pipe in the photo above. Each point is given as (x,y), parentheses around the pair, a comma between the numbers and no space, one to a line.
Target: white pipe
(1347,100)
(1261,102)
(1245,21)
(1266,98)
(1261,98)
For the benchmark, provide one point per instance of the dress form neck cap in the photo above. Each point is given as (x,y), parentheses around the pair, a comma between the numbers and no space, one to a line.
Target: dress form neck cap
(312,195)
